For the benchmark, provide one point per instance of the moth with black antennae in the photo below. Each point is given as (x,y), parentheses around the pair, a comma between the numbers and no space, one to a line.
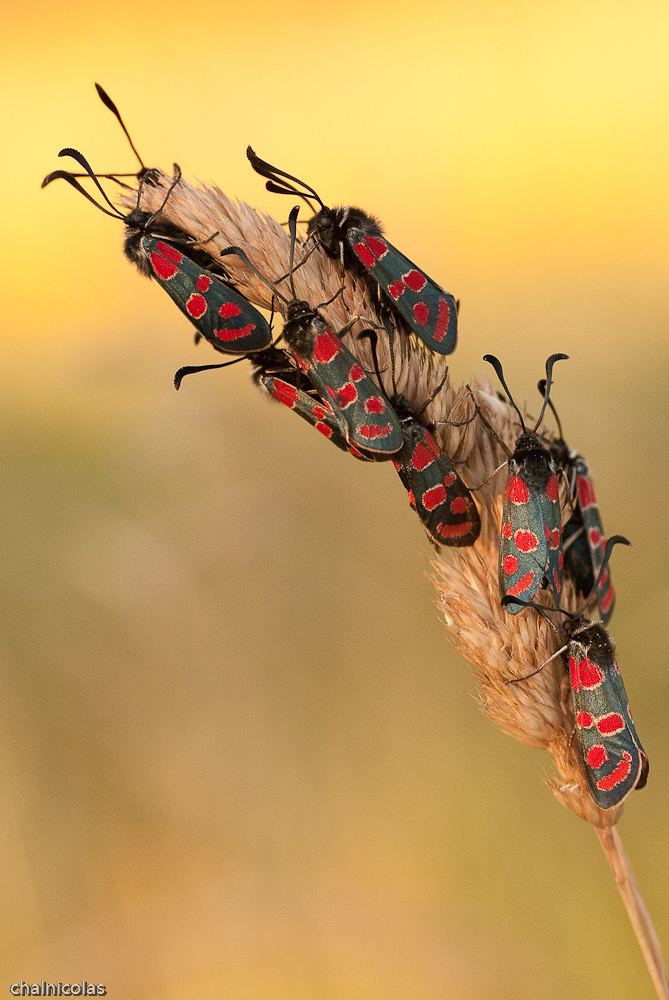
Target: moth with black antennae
(613,757)
(583,538)
(356,240)
(162,251)
(531,522)
(365,418)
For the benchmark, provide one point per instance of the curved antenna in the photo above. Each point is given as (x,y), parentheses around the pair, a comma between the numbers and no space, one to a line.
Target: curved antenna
(67,176)
(613,540)
(180,375)
(115,214)
(278,186)
(549,380)
(497,365)
(108,103)
(541,386)
(292,229)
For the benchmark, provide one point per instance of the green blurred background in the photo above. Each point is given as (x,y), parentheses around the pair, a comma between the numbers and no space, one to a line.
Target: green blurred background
(239,758)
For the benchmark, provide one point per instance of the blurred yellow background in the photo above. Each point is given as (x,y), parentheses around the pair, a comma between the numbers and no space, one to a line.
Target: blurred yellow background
(238,757)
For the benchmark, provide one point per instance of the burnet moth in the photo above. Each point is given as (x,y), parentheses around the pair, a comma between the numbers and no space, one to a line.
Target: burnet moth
(356,240)
(531,522)
(613,757)
(436,491)
(364,415)
(583,538)
(162,251)
(273,373)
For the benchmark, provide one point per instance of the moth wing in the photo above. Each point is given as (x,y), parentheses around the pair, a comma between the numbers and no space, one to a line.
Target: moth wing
(224,317)
(431,312)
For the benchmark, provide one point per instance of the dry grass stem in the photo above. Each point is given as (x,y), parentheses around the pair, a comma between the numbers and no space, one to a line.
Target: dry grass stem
(501,647)
(636,909)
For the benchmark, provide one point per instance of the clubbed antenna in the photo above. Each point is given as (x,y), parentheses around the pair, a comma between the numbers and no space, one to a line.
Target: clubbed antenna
(497,365)
(108,103)
(278,186)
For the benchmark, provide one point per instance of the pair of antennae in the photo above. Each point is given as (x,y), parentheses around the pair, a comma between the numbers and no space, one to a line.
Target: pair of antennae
(115,214)
(547,384)
(278,186)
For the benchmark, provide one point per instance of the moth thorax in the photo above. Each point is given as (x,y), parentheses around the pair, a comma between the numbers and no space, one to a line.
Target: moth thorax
(592,636)
(330,225)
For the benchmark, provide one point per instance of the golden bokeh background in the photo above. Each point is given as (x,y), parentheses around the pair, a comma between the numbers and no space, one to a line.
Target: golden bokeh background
(239,758)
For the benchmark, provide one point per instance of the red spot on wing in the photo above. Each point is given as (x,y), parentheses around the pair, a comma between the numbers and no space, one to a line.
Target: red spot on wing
(165,269)
(459,505)
(510,565)
(619,774)
(346,395)
(414,280)
(516,491)
(523,584)
(610,724)
(396,288)
(586,494)
(323,428)
(422,457)
(236,334)
(595,538)
(449,479)
(320,412)
(363,255)
(196,306)
(285,393)
(378,247)
(526,541)
(596,756)
(589,674)
(433,497)
(229,310)
(552,490)
(169,251)
(203,282)
(421,313)
(552,537)
(454,530)
(356,373)
(326,347)
(584,720)
(373,431)
(374,405)
(507,530)
(443,319)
